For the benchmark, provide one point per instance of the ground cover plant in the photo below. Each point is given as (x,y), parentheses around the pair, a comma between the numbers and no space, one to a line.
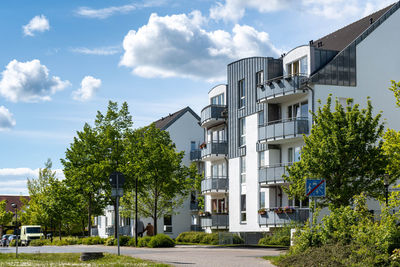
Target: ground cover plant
(71,259)
(204,238)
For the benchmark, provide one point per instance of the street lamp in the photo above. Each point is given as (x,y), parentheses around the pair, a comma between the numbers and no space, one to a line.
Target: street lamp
(386,184)
(16,225)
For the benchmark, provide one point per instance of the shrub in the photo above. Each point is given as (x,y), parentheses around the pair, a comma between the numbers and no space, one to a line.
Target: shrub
(131,242)
(237,239)
(211,239)
(12,243)
(93,240)
(39,242)
(143,241)
(123,240)
(109,241)
(161,241)
(279,237)
(190,237)
(58,242)
(71,240)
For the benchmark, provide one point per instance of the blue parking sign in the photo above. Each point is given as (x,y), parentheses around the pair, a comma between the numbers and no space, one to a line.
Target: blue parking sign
(315,188)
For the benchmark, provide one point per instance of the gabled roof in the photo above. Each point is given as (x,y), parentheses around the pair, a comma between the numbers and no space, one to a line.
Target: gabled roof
(165,122)
(13,199)
(341,38)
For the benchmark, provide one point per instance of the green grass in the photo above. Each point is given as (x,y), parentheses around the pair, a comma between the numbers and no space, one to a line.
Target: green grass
(71,259)
(273,259)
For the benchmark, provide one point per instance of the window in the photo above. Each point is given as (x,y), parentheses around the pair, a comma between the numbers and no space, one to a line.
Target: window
(218,99)
(297,110)
(217,136)
(192,145)
(242,170)
(242,131)
(260,77)
(168,223)
(242,93)
(297,154)
(99,221)
(261,118)
(243,208)
(290,154)
(218,170)
(262,200)
(304,66)
(298,67)
(261,159)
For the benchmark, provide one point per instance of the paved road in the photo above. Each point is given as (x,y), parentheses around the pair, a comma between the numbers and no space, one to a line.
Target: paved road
(178,256)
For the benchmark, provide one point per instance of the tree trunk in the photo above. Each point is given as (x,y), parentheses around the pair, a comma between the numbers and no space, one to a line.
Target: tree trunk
(83,226)
(90,216)
(59,229)
(155,214)
(115,220)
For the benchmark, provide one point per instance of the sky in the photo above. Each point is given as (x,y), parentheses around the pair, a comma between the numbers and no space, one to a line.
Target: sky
(62,61)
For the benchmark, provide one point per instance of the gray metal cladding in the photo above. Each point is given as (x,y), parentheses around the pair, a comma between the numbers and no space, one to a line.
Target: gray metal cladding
(246,69)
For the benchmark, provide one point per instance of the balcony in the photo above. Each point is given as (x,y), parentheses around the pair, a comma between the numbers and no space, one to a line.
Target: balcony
(272,174)
(276,131)
(194,205)
(215,185)
(123,230)
(214,151)
(272,218)
(282,89)
(215,221)
(195,155)
(212,115)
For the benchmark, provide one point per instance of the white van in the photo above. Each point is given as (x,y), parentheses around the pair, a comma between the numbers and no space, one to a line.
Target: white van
(30,232)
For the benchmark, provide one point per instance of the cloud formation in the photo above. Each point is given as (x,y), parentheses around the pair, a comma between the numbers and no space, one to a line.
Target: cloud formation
(89,86)
(29,82)
(37,24)
(101,51)
(179,46)
(7,120)
(104,13)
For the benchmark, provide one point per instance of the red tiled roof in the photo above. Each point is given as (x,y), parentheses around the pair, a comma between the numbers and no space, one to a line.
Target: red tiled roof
(13,199)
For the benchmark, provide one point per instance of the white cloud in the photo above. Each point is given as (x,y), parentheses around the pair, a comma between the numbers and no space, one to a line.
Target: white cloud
(104,12)
(29,82)
(233,10)
(89,86)
(37,24)
(178,46)
(6,119)
(102,51)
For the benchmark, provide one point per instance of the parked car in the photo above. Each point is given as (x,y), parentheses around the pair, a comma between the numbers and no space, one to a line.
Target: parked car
(4,240)
(11,238)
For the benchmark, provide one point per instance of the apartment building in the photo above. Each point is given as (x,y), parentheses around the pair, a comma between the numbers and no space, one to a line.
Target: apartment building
(268,102)
(186,133)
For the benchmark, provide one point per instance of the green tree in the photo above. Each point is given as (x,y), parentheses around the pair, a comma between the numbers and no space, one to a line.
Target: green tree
(395,88)
(164,181)
(345,149)
(198,177)
(5,216)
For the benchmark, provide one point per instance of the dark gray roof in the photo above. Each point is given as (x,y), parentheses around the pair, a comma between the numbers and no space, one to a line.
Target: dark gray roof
(165,122)
(341,38)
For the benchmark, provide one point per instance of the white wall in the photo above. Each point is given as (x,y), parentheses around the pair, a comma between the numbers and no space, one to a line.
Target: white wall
(217,90)
(296,54)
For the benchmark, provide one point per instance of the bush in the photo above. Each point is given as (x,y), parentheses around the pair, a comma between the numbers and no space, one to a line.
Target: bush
(237,240)
(58,242)
(12,243)
(143,241)
(190,237)
(161,241)
(123,240)
(131,242)
(71,240)
(110,241)
(279,237)
(39,242)
(93,240)
(211,239)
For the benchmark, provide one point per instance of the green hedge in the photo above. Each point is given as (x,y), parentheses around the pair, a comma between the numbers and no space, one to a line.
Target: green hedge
(93,240)
(279,237)
(143,241)
(39,242)
(204,238)
(161,241)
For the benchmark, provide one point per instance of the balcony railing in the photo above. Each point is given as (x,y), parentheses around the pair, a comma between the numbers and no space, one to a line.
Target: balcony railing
(273,173)
(215,221)
(195,155)
(215,148)
(194,205)
(212,114)
(281,86)
(220,183)
(123,230)
(282,129)
(196,228)
(273,218)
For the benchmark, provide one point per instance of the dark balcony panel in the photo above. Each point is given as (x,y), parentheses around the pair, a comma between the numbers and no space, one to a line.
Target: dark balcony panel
(196,228)
(194,205)
(281,86)
(272,218)
(215,184)
(195,155)
(212,115)
(281,129)
(215,221)
(272,174)
(218,149)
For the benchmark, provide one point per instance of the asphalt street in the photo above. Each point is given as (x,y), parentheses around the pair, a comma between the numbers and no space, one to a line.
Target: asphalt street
(177,256)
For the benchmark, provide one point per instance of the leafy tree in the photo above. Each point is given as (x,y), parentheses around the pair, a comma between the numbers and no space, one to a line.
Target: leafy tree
(345,149)
(395,88)
(164,181)
(198,177)
(5,216)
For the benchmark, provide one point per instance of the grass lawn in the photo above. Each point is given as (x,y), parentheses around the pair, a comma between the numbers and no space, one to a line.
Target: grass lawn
(71,259)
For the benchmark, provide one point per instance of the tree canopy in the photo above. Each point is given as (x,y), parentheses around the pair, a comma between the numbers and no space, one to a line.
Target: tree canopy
(345,149)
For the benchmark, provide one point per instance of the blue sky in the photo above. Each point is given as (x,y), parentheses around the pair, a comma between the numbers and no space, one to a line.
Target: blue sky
(62,61)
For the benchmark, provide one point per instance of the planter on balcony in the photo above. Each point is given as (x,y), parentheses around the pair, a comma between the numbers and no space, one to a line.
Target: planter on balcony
(262,211)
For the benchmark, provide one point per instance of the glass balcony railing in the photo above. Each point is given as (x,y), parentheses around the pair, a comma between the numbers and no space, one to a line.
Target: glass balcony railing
(220,183)
(215,221)
(212,115)
(218,149)
(277,217)
(282,129)
(281,86)
(195,155)
(194,205)
(272,174)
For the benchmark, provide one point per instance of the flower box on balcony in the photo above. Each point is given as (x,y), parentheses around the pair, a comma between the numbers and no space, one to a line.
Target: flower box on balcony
(203,145)
(278,210)
(204,213)
(288,209)
(262,211)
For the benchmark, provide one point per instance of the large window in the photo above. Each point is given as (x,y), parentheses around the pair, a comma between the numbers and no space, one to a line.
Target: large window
(260,77)
(242,93)
(217,136)
(168,223)
(261,118)
(297,110)
(242,131)
(298,67)
(261,159)
(262,200)
(218,99)
(218,170)
(242,170)
(243,208)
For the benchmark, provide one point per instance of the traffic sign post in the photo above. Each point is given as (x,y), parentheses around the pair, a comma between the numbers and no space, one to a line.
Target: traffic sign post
(315,188)
(117,181)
